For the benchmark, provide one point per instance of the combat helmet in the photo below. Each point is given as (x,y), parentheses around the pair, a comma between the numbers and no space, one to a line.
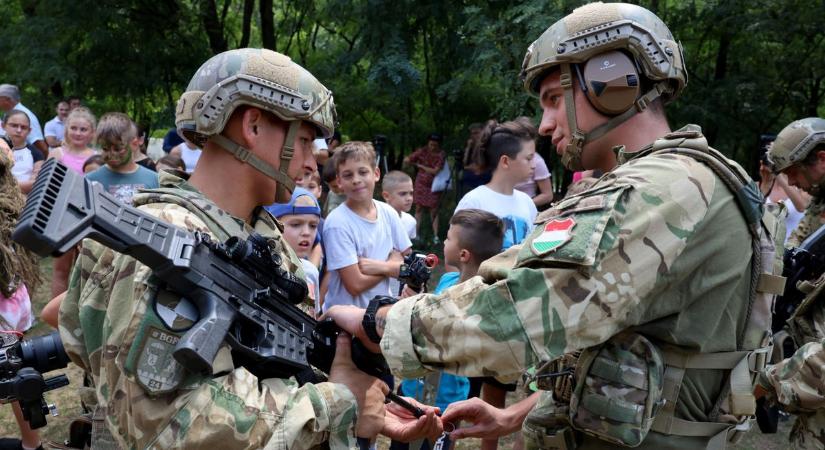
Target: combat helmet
(261,78)
(795,141)
(616,50)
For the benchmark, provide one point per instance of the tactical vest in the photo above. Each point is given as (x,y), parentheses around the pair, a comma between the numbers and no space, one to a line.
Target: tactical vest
(223,226)
(606,363)
(766,284)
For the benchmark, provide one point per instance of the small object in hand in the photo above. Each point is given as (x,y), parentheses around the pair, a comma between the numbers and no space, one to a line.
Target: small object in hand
(444,442)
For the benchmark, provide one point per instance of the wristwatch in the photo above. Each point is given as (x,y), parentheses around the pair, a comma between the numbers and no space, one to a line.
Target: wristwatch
(368,323)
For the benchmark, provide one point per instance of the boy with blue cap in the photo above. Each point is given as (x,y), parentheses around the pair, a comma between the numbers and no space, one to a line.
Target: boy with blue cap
(301,217)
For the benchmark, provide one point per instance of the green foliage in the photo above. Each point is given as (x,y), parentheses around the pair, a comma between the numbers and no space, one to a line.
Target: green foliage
(405,68)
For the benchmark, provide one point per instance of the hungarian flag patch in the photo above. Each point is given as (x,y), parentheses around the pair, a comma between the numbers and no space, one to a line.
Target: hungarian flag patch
(556,233)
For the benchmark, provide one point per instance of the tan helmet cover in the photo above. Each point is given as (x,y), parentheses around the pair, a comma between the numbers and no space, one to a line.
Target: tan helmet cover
(256,77)
(596,30)
(795,141)
(599,27)
(264,79)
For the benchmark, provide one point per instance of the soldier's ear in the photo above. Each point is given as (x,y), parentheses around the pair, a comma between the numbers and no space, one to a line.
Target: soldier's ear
(251,118)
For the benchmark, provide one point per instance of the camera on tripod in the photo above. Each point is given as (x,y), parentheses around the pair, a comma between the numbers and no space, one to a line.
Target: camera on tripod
(22,363)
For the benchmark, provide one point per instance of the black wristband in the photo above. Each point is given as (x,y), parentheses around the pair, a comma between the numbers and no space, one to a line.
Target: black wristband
(371,314)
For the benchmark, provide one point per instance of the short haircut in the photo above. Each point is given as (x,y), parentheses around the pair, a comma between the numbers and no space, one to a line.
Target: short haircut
(83,113)
(10,91)
(328,174)
(393,180)
(62,100)
(315,176)
(115,128)
(505,139)
(354,150)
(172,161)
(94,159)
(480,232)
(17,112)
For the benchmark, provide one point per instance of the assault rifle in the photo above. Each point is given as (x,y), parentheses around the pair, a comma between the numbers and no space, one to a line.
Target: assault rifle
(242,293)
(22,363)
(803,263)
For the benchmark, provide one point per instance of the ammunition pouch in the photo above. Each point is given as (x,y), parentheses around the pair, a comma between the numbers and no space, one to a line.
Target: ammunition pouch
(618,389)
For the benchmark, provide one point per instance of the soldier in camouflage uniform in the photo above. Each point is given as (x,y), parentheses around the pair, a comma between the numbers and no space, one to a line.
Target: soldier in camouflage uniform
(255,113)
(799,152)
(651,271)
(796,383)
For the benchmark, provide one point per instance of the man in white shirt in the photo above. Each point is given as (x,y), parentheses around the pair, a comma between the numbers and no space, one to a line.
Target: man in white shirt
(53,130)
(9,100)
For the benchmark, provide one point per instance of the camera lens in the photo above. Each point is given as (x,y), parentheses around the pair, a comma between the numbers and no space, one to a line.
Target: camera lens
(44,353)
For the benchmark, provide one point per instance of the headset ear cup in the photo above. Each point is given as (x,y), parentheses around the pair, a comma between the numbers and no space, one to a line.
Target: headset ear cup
(612,82)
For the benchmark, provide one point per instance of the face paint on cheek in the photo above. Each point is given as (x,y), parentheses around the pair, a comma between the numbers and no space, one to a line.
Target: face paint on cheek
(118,159)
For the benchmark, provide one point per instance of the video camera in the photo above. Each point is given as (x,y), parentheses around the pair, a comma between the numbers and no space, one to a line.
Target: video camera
(22,363)
(417,270)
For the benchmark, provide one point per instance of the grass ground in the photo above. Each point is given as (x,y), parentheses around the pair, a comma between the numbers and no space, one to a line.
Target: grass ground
(68,402)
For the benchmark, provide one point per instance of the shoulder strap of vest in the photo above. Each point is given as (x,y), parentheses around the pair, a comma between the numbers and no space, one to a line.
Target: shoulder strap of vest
(737,397)
(218,221)
(745,191)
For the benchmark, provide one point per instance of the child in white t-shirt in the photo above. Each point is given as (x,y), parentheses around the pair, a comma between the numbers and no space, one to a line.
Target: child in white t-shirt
(397,191)
(364,239)
(300,218)
(508,149)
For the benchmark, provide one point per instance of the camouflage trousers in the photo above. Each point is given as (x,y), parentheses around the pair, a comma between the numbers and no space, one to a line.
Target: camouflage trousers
(808,431)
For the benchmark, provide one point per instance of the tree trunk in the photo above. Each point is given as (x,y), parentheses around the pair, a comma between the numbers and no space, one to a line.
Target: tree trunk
(212,26)
(720,72)
(267,27)
(246,26)
(815,97)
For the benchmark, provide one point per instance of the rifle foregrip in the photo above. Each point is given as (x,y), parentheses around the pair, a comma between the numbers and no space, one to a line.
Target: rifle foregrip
(197,348)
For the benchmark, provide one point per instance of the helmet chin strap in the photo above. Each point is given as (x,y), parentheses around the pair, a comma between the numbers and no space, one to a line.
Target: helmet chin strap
(572,156)
(285,184)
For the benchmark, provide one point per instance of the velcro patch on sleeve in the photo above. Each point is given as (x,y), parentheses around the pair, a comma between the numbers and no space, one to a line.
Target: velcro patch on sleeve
(571,233)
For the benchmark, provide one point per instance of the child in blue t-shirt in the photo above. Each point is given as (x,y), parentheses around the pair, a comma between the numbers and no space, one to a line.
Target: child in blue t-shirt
(121,176)
(474,236)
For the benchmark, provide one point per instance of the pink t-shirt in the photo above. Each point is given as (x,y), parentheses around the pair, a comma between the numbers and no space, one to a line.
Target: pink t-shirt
(16,311)
(540,172)
(73,161)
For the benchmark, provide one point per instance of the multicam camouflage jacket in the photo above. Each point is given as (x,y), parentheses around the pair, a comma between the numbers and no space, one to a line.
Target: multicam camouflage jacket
(813,219)
(657,246)
(797,383)
(149,402)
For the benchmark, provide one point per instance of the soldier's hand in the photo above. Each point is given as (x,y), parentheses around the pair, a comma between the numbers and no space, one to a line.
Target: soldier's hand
(369,391)
(488,422)
(349,318)
(401,425)
(407,291)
